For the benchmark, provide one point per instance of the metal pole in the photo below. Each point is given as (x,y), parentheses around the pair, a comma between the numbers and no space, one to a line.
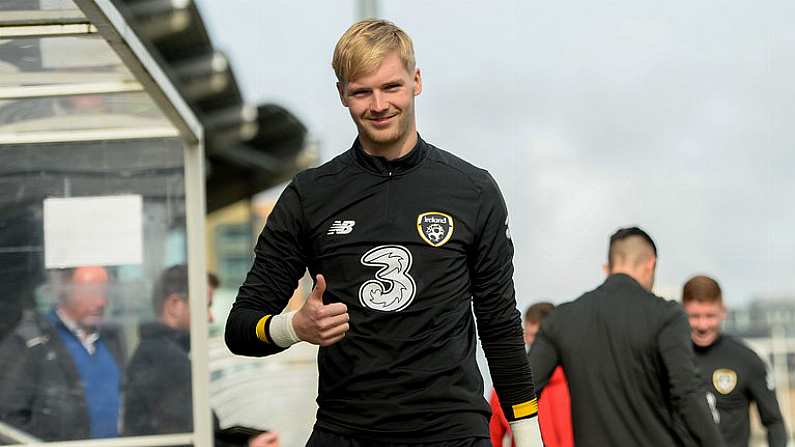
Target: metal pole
(367,9)
(197,273)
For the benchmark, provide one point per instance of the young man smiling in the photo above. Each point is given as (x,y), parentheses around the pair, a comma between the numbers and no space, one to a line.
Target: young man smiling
(404,240)
(735,376)
(381,104)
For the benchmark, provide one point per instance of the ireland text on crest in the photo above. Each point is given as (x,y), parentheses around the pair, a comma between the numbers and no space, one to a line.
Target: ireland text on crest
(435,228)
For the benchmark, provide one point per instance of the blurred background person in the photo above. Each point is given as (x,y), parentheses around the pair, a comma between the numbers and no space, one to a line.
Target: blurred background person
(554,406)
(158,397)
(733,373)
(61,372)
(627,356)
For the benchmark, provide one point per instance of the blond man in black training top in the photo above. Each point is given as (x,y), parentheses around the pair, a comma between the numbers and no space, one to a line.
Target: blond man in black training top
(403,240)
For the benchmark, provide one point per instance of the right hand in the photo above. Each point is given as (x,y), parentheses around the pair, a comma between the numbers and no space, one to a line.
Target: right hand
(318,323)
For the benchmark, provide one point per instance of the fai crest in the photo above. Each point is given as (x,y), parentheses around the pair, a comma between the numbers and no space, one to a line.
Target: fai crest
(435,228)
(724,380)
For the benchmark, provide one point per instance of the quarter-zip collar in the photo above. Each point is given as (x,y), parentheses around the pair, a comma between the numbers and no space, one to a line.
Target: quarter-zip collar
(382,166)
(703,349)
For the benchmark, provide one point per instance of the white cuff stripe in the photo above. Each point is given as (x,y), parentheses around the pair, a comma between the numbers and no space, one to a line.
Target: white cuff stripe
(281,330)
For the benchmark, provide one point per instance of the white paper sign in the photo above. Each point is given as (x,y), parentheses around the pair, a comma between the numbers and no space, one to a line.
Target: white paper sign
(106,230)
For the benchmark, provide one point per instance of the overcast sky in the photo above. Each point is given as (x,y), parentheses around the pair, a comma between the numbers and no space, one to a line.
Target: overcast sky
(677,116)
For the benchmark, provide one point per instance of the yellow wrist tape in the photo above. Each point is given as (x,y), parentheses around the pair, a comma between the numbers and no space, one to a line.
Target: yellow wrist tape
(525,409)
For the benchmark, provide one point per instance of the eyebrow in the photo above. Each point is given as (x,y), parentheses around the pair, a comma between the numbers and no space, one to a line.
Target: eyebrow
(390,83)
(393,82)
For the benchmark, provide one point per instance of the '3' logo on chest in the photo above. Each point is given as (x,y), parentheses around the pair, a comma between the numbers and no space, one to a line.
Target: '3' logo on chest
(393,288)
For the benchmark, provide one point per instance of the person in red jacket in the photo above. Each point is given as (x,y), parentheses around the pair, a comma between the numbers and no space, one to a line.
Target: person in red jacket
(554,407)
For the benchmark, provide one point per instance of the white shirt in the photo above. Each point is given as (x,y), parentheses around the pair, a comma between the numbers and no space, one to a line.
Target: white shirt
(87,339)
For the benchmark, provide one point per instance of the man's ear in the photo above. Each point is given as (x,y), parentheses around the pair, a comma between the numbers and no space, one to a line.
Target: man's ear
(606,269)
(341,92)
(651,263)
(417,82)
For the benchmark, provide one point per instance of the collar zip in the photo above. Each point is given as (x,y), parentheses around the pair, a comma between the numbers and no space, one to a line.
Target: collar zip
(390,168)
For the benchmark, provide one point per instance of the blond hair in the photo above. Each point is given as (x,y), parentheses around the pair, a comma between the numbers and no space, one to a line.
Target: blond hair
(364,46)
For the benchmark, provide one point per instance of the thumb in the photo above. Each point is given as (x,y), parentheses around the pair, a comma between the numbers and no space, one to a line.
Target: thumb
(319,290)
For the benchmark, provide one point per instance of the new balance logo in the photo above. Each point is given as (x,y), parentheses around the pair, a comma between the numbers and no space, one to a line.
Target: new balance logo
(341,227)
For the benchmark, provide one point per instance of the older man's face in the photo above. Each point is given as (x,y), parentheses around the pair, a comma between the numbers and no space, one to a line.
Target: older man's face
(86,296)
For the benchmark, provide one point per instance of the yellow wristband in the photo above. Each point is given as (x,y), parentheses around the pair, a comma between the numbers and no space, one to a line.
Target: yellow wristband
(261,328)
(525,409)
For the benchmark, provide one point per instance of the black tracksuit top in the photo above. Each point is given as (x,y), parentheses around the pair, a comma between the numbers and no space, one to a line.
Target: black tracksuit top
(411,246)
(628,358)
(736,376)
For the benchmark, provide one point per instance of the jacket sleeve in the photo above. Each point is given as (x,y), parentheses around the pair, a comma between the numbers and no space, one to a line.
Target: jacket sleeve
(543,356)
(279,263)
(18,378)
(235,436)
(762,390)
(688,398)
(499,322)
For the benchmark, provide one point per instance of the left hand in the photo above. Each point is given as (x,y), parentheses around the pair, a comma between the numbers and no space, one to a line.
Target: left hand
(267,439)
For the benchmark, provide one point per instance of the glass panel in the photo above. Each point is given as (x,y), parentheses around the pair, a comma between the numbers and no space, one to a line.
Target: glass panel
(87,88)
(38,5)
(233,250)
(39,11)
(78,317)
(59,60)
(117,111)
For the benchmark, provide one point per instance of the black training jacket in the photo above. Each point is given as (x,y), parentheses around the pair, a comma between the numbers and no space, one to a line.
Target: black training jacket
(628,358)
(736,376)
(411,246)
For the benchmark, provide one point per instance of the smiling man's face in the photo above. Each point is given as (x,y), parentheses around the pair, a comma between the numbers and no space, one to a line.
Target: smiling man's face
(381,103)
(705,319)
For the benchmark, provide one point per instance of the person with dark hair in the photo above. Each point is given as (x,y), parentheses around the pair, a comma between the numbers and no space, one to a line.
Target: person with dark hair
(409,249)
(213,282)
(554,406)
(158,397)
(158,386)
(627,357)
(733,373)
(61,372)
(533,316)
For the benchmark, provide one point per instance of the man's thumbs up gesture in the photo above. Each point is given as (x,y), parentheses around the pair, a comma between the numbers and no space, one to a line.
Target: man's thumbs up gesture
(318,323)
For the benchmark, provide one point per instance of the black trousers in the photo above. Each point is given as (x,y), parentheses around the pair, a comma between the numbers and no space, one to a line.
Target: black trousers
(322,438)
